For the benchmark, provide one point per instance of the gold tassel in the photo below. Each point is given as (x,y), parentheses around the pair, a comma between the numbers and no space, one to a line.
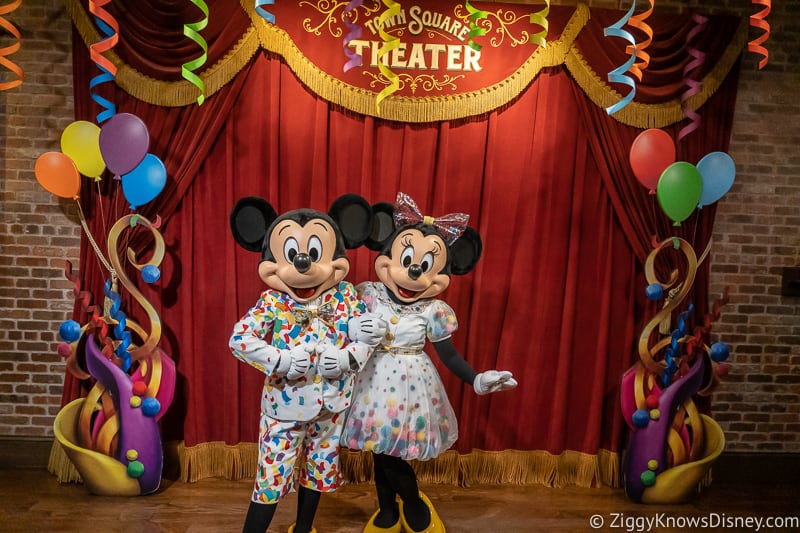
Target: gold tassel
(61,467)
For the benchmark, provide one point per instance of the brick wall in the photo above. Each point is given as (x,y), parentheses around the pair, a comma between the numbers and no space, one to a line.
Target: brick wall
(755,236)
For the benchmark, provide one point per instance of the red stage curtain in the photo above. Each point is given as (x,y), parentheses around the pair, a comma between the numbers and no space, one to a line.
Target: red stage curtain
(557,297)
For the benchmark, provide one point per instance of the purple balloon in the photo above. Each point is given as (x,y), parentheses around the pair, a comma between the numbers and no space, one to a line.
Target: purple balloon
(124,141)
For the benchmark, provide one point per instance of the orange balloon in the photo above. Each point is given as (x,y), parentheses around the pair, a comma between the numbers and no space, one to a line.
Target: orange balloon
(57,173)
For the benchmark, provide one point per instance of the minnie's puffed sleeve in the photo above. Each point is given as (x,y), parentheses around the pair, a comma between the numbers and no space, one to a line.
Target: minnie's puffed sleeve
(247,342)
(441,321)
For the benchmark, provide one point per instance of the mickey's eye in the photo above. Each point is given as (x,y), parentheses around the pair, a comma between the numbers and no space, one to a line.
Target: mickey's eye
(407,256)
(314,248)
(427,262)
(290,249)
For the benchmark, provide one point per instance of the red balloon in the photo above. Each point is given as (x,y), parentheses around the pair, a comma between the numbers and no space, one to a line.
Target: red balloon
(651,153)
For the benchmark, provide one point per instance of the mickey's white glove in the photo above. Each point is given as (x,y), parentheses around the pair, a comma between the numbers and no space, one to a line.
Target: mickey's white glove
(295,363)
(493,381)
(368,328)
(333,362)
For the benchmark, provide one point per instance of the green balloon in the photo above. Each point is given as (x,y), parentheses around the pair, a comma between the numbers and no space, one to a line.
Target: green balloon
(679,189)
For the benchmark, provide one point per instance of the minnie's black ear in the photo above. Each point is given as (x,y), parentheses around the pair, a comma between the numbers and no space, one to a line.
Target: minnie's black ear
(250,218)
(353,215)
(382,225)
(465,252)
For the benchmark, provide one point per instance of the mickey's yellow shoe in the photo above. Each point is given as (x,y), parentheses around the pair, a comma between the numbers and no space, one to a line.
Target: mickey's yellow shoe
(372,528)
(436,525)
(291,529)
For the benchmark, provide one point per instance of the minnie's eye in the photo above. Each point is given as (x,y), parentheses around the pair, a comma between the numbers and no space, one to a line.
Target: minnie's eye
(427,262)
(314,248)
(407,256)
(290,249)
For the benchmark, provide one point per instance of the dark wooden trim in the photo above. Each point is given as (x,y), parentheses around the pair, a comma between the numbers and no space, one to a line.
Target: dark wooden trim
(769,468)
(24,452)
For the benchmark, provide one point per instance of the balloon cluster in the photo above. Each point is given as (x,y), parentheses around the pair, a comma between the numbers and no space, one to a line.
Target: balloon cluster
(121,145)
(679,186)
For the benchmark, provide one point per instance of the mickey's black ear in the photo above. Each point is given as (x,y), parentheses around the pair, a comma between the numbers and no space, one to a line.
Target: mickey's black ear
(353,215)
(250,218)
(465,252)
(382,225)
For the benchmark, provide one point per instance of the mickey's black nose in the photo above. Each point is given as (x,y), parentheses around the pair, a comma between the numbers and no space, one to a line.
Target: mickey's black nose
(302,262)
(414,271)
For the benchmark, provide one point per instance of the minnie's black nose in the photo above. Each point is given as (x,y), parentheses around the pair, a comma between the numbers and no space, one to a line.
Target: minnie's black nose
(302,262)
(414,271)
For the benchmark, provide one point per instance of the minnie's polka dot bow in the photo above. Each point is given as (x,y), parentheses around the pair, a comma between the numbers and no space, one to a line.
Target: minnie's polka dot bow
(451,226)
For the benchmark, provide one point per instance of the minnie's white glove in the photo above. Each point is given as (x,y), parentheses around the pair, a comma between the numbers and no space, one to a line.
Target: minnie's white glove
(295,363)
(493,381)
(333,362)
(368,328)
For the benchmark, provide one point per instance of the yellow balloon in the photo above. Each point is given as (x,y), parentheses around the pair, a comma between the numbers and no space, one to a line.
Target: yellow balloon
(81,142)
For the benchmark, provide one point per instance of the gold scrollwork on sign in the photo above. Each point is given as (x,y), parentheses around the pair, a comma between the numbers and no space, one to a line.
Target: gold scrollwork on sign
(331,19)
(427,82)
(505,20)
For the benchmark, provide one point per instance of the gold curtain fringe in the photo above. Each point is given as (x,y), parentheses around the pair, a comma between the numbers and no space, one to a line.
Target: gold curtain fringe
(405,109)
(60,465)
(217,459)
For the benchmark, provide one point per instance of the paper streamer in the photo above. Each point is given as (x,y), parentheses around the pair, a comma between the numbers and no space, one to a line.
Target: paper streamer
(618,74)
(389,43)
(266,15)
(110,29)
(192,31)
(693,86)
(353,32)
(12,48)
(474,29)
(638,22)
(120,329)
(758,21)
(540,18)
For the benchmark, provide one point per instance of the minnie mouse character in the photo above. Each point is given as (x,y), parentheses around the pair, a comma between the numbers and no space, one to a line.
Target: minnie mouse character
(297,334)
(400,408)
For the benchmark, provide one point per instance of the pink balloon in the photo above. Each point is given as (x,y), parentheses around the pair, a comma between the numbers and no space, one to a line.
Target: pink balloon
(651,153)
(124,141)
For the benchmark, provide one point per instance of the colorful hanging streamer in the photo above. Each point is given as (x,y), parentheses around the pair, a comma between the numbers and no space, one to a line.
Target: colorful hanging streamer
(474,29)
(12,48)
(121,332)
(618,74)
(110,29)
(758,20)
(693,86)
(192,31)
(638,22)
(540,18)
(353,32)
(261,10)
(389,43)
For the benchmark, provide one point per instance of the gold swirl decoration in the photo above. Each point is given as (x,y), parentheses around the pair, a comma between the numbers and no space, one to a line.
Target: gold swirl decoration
(260,34)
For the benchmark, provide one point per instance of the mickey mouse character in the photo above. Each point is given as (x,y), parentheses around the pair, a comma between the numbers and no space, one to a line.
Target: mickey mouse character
(400,408)
(297,334)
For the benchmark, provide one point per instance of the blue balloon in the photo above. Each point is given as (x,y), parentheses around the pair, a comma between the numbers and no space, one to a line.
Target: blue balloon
(144,182)
(719,352)
(654,291)
(151,274)
(70,331)
(718,171)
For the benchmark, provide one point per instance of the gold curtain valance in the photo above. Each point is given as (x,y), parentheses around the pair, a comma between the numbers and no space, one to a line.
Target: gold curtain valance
(562,51)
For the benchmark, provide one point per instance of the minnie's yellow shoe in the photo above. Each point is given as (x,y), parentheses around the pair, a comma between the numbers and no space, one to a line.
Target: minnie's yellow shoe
(436,525)
(372,528)
(291,529)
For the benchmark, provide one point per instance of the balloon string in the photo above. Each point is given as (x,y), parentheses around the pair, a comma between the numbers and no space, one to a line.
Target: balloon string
(618,74)
(389,43)
(474,29)
(540,18)
(353,33)
(757,20)
(192,31)
(12,48)
(93,243)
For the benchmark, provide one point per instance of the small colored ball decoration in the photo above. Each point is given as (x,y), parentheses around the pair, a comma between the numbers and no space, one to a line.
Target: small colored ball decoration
(131,455)
(70,330)
(640,418)
(64,349)
(719,352)
(655,414)
(652,464)
(654,291)
(139,388)
(135,469)
(648,478)
(151,407)
(135,401)
(151,274)
(723,369)
(651,401)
